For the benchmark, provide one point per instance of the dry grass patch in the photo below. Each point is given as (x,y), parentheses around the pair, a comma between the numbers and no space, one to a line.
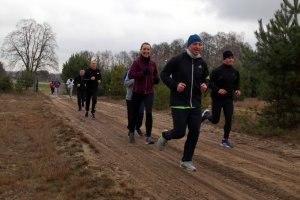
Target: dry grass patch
(42,158)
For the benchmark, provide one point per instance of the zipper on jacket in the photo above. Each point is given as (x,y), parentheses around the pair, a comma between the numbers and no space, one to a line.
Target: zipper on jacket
(146,79)
(146,85)
(192,83)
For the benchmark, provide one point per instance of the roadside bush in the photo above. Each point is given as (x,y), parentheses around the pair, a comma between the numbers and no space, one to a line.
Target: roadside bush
(26,80)
(161,97)
(251,122)
(5,83)
(112,83)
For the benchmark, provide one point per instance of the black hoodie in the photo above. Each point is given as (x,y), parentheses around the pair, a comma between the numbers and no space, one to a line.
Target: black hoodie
(224,77)
(192,72)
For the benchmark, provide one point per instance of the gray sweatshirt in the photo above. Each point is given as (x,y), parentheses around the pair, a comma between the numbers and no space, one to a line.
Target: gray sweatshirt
(128,83)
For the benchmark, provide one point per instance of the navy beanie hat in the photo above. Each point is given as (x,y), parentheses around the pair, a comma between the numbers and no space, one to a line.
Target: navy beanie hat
(227,54)
(193,38)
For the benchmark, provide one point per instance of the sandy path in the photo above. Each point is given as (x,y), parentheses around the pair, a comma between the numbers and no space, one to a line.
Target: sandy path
(254,169)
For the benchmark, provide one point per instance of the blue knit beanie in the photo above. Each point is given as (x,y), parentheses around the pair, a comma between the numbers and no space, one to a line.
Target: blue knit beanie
(193,38)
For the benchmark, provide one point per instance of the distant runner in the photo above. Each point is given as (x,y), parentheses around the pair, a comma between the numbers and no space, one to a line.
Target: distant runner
(92,78)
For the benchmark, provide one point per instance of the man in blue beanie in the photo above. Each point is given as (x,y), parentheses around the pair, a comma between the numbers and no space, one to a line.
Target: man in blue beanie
(193,38)
(185,75)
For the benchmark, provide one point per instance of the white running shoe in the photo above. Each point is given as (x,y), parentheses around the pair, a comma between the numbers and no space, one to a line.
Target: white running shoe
(161,143)
(188,165)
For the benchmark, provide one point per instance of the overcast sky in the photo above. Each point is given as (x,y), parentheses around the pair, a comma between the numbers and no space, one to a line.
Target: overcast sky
(116,25)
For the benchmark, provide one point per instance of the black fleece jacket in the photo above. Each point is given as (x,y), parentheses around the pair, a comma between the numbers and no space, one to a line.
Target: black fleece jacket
(92,84)
(79,80)
(192,72)
(224,77)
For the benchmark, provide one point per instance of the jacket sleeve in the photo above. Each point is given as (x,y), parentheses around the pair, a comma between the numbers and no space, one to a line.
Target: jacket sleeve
(76,81)
(99,76)
(213,79)
(135,72)
(128,82)
(166,73)
(155,75)
(205,76)
(237,82)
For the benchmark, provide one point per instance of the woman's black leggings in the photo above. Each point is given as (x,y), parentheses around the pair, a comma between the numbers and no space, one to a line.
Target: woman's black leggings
(136,100)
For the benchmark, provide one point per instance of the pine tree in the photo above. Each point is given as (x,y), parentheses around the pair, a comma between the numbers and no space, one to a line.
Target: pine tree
(74,64)
(278,54)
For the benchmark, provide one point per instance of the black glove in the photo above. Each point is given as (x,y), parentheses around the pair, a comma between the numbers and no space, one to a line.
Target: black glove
(155,80)
(146,71)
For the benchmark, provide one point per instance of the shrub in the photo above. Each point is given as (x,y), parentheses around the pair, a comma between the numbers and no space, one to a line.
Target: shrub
(26,80)
(161,97)
(5,83)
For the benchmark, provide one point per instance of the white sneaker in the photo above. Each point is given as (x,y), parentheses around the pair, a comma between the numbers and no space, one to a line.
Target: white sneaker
(149,140)
(205,115)
(161,143)
(188,165)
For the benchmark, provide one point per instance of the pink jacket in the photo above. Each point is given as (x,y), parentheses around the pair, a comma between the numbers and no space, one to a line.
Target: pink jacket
(143,84)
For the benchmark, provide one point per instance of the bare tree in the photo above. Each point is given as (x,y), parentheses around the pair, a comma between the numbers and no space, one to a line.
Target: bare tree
(105,59)
(123,59)
(31,46)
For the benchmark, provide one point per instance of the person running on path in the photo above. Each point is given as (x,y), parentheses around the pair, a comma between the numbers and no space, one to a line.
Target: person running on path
(224,84)
(52,86)
(92,79)
(128,83)
(56,87)
(185,75)
(80,85)
(70,84)
(145,75)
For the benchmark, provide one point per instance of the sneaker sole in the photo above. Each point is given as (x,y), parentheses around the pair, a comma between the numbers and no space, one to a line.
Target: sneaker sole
(149,143)
(188,169)
(226,146)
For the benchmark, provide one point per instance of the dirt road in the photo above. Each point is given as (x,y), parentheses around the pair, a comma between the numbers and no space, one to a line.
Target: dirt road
(254,169)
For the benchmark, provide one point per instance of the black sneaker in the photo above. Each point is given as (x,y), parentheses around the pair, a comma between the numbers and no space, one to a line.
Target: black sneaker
(93,115)
(205,115)
(79,109)
(86,114)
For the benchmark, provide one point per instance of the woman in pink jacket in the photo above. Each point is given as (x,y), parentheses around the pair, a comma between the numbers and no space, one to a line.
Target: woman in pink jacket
(145,75)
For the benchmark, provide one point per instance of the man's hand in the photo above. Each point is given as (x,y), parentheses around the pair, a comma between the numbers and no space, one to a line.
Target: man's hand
(237,93)
(180,87)
(78,85)
(222,92)
(93,78)
(203,87)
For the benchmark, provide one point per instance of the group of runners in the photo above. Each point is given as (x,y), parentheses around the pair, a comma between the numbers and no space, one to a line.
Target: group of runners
(187,76)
